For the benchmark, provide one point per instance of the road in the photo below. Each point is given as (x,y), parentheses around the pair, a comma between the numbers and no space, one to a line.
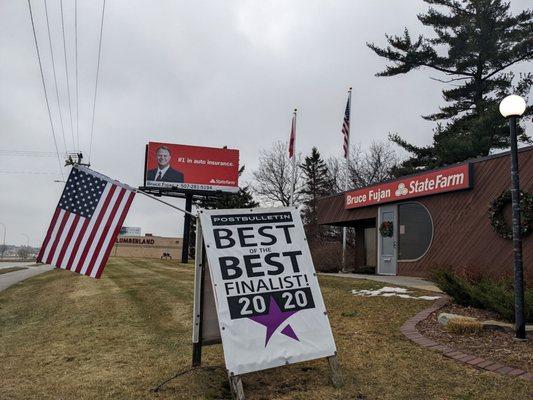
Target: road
(11,264)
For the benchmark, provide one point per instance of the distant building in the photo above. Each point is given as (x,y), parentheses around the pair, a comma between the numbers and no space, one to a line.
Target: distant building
(148,246)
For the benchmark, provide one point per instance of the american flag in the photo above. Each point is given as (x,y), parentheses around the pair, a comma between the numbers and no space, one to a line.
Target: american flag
(86,222)
(346,127)
(292,138)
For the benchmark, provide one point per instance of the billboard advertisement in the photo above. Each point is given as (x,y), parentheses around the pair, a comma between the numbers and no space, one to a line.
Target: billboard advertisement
(130,231)
(196,168)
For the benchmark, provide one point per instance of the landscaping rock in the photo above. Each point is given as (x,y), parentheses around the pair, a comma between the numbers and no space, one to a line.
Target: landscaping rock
(444,318)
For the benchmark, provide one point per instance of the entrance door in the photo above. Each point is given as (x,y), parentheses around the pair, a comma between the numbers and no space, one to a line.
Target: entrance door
(387,246)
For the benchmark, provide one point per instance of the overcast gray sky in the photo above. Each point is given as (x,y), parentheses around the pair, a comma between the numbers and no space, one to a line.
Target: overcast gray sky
(203,73)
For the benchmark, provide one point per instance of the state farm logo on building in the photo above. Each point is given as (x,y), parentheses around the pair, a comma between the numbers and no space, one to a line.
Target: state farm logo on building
(401,191)
(432,182)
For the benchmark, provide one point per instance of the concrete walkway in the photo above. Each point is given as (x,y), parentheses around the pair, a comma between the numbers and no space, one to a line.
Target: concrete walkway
(11,264)
(9,279)
(407,281)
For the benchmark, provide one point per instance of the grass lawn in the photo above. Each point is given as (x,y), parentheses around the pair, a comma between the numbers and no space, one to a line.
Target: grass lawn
(12,269)
(64,336)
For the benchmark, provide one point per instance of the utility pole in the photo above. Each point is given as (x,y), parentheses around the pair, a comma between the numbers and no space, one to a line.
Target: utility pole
(76,159)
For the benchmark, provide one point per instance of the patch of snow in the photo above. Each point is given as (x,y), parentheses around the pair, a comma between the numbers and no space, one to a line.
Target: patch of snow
(429,297)
(389,291)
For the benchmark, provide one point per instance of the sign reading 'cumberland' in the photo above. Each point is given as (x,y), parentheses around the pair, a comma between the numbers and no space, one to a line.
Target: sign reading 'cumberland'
(432,182)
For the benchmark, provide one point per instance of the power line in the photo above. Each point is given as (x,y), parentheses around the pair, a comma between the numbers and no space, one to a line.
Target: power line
(45,92)
(96,83)
(66,73)
(77,107)
(29,173)
(26,153)
(55,77)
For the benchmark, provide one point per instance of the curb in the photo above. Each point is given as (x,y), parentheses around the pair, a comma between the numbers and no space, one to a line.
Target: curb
(410,332)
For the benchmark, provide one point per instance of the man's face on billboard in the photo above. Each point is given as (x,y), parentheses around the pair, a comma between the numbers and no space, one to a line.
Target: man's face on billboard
(163,158)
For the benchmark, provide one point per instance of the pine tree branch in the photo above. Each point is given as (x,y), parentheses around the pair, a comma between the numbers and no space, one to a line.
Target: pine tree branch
(448,71)
(524,57)
(450,80)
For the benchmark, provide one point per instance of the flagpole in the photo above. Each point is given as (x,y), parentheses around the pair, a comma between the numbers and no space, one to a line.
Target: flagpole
(293,180)
(344,229)
(108,179)
(164,202)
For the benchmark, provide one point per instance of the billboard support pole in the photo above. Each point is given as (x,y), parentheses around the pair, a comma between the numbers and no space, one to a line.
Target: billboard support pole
(186,228)
(198,294)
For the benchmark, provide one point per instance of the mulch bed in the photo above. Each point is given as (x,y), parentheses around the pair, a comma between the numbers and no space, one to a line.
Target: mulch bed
(494,345)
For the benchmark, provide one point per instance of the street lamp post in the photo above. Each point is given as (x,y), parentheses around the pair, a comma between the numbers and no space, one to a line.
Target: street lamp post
(4,245)
(512,107)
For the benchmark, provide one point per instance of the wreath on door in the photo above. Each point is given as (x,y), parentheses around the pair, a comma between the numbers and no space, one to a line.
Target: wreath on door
(386,229)
(497,219)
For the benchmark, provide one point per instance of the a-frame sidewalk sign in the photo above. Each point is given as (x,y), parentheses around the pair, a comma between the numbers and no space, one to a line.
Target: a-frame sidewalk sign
(256,292)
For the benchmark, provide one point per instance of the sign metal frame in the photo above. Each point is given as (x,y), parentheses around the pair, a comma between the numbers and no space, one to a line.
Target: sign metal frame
(199,311)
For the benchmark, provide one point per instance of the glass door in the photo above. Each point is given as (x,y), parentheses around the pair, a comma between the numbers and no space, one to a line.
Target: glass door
(387,240)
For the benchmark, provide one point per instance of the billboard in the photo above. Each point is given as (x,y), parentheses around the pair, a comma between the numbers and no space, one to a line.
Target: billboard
(130,231)
(268,300)
(424,184)
(195,168)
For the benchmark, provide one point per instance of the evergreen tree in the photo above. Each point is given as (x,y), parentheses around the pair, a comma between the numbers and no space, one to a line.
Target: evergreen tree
(475,43)
(242,199)
(317,183)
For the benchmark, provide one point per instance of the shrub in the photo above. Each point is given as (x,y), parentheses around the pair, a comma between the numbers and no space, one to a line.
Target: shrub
(484,293)
(327,256)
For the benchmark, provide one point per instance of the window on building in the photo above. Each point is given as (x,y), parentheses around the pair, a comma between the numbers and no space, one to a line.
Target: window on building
(415,231)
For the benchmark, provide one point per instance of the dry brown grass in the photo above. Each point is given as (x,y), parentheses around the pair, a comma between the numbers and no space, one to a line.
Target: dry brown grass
(12,269)
(64,336)
(464,325)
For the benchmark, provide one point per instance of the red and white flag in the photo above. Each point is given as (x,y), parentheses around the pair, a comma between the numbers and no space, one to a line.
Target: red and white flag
(292,138)
(86,222)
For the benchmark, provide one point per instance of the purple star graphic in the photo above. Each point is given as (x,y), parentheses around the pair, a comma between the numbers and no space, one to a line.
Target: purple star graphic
(274,319)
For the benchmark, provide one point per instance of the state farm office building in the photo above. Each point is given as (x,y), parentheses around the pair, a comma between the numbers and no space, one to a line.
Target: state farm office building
(433,219)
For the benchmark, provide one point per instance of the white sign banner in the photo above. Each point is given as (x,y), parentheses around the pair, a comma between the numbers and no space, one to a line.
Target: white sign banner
(269,305)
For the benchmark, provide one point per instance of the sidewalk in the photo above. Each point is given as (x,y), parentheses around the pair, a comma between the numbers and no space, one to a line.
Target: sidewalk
(408,281)
(9,279)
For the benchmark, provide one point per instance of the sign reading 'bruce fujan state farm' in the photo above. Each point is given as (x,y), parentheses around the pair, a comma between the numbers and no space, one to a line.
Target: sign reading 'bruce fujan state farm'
(434,182)
(268,301)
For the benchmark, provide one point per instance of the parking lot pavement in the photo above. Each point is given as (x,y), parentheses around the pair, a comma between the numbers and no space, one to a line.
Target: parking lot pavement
(6,280)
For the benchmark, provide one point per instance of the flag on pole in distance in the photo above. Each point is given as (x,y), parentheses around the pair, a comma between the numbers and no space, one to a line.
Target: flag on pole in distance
(292,138)
(346,128)
(86,222)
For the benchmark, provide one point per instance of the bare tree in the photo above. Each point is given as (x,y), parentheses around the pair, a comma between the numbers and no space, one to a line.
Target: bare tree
(377,163)
(23,252)
(364,167)
(273,177)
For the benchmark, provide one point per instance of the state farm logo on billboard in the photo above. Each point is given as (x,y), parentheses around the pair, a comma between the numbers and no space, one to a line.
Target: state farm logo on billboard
(433,182)
(177,166)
